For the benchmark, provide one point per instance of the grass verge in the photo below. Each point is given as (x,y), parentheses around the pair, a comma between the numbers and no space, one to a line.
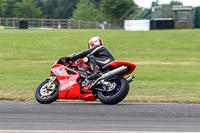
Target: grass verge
(168,61)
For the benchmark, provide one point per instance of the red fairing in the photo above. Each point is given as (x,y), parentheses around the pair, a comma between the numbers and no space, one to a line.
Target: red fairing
(78,63)
(120,63)
(67,77)
(69,87)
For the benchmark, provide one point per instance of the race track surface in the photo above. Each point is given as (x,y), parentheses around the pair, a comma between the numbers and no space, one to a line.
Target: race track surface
(62,116)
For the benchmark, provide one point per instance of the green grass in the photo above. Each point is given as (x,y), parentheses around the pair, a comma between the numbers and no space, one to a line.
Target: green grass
(168,61)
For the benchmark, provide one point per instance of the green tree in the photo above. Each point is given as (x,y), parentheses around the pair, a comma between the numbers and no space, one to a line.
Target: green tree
(7,7)
(85,11)
(1,10)
(49,7)
(39,3)
(57,8)
(114,9)
(97,3)
(174,2)
(65,8)
(27,9)
(167,8)
(155,3)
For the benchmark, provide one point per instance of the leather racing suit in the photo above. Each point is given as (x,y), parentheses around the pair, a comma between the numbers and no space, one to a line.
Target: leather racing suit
(100,57)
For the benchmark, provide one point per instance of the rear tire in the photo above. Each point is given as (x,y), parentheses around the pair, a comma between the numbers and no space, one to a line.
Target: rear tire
(116,95)
(53,95)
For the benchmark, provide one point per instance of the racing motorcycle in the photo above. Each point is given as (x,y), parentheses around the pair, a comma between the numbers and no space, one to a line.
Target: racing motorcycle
(68,80)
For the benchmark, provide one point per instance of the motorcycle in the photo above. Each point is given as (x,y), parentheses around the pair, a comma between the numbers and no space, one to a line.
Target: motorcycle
(69,81)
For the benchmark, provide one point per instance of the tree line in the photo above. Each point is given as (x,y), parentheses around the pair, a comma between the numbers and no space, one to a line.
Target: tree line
(88,10)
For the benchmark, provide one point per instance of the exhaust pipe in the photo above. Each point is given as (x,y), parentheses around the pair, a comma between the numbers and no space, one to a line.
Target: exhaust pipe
(110,74)
(116,71)
(130,79)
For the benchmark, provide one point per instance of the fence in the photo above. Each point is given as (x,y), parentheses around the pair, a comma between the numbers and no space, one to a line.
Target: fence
(57,23)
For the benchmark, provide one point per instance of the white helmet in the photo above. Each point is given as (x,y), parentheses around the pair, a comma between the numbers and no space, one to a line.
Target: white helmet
(95,41)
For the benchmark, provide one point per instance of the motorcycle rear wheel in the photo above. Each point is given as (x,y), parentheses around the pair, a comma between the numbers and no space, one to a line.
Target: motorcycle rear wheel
(49,97)
(117,94)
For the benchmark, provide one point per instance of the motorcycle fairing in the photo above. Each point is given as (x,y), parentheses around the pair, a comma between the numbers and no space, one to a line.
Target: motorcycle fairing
(80,64)
(69,87)
(115,64)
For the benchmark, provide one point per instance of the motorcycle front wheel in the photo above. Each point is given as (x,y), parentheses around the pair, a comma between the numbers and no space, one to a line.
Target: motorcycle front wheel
(117,94)
(46,94)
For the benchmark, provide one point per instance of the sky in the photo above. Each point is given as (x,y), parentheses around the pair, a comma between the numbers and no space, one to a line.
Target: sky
(147,3)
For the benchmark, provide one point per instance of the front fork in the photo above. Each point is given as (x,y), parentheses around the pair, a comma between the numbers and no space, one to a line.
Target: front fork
(52,80)
(50,84)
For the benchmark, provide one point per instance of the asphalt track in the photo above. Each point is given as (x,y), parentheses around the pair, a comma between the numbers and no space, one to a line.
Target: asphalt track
(62,116)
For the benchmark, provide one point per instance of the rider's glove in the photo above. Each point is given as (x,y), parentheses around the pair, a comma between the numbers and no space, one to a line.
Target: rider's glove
(68,58)
(63,60)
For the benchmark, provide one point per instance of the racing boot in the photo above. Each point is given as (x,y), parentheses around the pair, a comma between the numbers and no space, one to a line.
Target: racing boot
(94,76)
(96,73)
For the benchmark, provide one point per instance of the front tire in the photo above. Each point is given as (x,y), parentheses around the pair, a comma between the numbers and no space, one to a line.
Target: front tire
(117,94)
(45,96)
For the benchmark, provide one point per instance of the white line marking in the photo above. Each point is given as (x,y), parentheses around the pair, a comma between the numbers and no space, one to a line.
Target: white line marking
(55,131)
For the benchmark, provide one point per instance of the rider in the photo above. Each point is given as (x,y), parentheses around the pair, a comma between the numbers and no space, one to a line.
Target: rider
(96,56)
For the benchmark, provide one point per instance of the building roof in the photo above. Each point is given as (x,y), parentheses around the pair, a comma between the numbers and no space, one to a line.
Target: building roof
(182,8)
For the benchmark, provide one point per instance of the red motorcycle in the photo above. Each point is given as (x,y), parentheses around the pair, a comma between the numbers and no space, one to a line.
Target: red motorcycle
(69,81)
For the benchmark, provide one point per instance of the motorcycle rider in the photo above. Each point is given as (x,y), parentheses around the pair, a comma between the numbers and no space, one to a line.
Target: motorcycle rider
(96,56)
